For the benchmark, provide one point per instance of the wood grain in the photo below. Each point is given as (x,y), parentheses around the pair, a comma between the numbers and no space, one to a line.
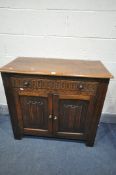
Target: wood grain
(57,67)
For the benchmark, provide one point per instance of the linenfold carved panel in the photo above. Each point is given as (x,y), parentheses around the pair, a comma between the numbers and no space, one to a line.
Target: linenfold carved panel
(72,115)
(35,112)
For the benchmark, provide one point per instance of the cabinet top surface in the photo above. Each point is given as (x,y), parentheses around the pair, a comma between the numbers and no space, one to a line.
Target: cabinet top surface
(57,67)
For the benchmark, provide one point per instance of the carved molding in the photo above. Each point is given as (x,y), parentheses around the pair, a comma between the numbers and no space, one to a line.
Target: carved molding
(35,84)
(34,102)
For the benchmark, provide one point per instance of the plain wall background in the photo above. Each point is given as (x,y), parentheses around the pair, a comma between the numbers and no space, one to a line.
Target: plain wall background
(72,29)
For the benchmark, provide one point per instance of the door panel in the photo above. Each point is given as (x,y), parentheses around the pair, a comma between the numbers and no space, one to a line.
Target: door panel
(34,114)
(71,114)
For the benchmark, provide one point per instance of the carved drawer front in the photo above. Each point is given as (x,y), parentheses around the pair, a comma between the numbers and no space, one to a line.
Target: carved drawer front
(55,85)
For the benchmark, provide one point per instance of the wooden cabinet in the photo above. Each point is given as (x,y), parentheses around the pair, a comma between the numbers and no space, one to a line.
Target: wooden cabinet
(63,103)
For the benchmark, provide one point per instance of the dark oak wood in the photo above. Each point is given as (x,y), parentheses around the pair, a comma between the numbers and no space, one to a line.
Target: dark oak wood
(55,98)
(99,101)
(71,114)
(11,105)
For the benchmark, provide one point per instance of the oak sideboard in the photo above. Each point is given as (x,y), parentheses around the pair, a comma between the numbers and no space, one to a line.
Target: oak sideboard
(55,97)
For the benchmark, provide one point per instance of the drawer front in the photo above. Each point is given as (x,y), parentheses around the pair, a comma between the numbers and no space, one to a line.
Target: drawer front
(55,85)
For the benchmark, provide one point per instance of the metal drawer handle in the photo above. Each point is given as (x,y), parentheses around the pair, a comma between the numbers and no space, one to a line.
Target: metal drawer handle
(81,86)
(55,118)
(50,116)
(26,84)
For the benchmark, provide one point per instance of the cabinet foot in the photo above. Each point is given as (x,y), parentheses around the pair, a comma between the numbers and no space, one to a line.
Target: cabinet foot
(17,136)
(89,143)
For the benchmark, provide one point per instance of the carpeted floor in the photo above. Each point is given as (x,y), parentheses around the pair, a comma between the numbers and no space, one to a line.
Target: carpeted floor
(39,156)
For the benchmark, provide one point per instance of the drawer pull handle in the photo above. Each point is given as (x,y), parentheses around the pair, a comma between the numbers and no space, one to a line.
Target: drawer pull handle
(55,118)
(80,86)
(26,84)
(50,116)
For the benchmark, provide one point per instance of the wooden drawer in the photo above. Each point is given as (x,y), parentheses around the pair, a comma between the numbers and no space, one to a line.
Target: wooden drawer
(64,86)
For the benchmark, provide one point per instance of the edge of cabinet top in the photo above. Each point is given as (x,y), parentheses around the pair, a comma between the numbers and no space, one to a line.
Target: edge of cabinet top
(57,67)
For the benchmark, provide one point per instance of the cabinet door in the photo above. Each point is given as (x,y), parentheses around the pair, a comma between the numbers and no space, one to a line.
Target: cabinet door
(71,115)
(35,114)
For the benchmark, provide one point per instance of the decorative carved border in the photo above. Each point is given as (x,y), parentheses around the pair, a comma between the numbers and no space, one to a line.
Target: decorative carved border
(54,84)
